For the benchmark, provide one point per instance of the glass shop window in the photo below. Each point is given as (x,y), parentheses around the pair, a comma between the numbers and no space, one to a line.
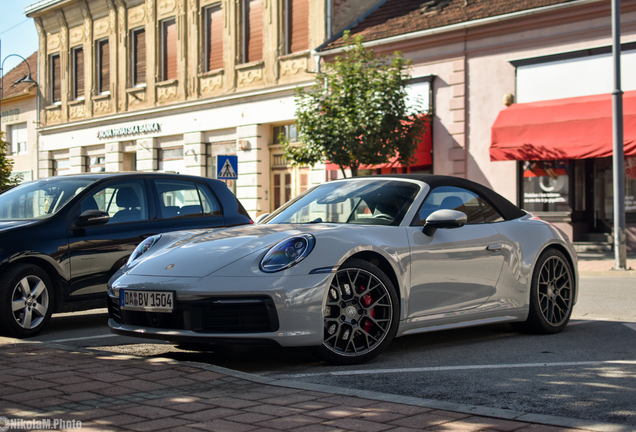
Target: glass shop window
(546,186)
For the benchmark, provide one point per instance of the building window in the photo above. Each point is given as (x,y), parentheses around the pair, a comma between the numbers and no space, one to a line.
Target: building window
(96,163)
(103,66)
(138,56)
(171,159)
(288,131)
(78,72)
(252,20)
(56,79)
(296,26)
(546,186)
(18,139)
(213,27)
(168,50)
(61,166)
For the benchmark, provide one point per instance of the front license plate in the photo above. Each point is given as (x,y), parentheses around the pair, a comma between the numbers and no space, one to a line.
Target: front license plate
(147,301)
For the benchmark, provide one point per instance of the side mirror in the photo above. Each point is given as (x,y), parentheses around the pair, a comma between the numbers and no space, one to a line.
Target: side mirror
(93,218)
(444,219)
(261,218)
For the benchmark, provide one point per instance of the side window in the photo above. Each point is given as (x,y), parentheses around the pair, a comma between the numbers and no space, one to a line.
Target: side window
(453,198)
(179,198)
(490,214)
(124,201)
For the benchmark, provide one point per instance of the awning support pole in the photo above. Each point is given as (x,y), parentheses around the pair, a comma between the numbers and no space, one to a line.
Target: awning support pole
(620,251)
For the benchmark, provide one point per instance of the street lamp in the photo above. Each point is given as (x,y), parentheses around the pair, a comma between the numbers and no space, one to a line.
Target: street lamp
(26,79)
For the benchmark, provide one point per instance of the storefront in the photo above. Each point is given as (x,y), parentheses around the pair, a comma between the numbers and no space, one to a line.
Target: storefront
(564,148)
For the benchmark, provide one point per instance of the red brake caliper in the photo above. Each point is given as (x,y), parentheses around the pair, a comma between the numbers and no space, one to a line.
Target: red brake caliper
(367,300)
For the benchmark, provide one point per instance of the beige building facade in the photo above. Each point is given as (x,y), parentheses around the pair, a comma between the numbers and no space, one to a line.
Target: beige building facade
(170,84)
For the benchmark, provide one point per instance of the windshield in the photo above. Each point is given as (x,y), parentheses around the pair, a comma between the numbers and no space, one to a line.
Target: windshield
(366,202)
(39,199)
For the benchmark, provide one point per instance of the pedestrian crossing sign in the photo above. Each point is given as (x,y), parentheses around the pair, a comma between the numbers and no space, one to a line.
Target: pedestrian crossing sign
(226,167)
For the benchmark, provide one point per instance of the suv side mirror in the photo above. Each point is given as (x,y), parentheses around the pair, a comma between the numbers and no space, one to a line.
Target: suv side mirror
(444,219)
(93,218)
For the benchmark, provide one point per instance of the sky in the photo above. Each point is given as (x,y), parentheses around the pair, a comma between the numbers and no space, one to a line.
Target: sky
(17,34)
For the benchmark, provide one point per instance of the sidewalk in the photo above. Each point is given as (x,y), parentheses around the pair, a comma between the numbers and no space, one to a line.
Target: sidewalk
(108,392)
(603,263)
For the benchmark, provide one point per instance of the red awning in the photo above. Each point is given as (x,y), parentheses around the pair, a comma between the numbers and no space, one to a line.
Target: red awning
(573,128)
(422,157)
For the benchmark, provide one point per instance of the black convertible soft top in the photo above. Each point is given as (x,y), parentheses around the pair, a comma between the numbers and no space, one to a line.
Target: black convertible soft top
(507,209)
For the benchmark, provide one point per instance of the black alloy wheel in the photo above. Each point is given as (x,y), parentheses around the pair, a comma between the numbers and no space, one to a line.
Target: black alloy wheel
(551,295)
(360,314)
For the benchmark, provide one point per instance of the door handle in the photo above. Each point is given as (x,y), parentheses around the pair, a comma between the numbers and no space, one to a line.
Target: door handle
(494,248)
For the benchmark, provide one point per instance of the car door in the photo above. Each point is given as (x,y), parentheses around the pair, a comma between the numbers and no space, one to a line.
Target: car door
(97,252)
(185,204)
(457,268)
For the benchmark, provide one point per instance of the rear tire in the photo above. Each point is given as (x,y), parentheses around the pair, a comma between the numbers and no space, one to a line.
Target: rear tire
(551,295)
(26,301)
(360,315)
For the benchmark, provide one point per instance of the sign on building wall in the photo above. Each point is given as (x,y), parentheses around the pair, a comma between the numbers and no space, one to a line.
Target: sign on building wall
(128,130)
(227,167)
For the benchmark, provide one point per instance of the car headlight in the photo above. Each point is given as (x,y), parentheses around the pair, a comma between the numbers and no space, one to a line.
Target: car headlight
(287,253)
(143,247)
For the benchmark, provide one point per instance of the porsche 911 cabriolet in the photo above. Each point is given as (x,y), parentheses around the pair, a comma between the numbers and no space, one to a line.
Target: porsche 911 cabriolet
(350,265)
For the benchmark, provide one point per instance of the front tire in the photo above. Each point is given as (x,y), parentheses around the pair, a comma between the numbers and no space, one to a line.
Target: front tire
(26,301)
(551,295)
(360,315)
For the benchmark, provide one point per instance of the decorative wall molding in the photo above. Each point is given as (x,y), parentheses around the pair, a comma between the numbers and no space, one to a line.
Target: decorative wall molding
(100,27)
(165,7)
(136,16)
(77,110)
(247,76)
(101,104)
(167,91)
(292,66)
(76,35)
(136,97)
(53,114)
(53,43)
(211,84)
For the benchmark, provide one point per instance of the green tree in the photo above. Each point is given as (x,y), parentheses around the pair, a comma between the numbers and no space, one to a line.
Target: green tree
(6,166)
(356,112)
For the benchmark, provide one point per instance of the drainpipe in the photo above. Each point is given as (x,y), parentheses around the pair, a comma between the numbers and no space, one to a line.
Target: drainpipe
(329,11)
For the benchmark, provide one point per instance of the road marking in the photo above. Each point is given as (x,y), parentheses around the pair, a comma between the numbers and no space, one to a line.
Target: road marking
(577,322)
(469,367)
(630,325)
(82,338)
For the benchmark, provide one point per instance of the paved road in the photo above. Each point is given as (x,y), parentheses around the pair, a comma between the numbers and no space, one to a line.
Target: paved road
(586,372)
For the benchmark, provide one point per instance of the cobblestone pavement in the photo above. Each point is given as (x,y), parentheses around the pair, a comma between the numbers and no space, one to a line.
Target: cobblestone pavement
(107,392)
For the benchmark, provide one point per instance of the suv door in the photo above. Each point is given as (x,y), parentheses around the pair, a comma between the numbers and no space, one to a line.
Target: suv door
(97,252)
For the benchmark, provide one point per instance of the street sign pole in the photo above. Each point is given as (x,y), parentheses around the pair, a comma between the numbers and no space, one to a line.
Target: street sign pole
(620,252)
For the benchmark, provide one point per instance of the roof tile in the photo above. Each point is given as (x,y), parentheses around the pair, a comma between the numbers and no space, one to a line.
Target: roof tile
(10,88)
(397,17)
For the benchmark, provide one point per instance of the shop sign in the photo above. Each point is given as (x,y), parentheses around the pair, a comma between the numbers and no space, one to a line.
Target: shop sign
(128,130)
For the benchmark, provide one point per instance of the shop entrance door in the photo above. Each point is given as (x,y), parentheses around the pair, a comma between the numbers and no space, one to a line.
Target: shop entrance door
(603,200)
(599,196)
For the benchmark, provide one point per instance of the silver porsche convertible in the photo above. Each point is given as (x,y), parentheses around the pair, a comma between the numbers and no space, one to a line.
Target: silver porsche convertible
(348,266)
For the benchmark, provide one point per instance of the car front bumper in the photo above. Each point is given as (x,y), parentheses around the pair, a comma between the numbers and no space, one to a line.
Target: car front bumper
(286,310)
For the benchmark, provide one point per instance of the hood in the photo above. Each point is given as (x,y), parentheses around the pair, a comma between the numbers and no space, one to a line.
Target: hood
(200,254)
(7,225)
